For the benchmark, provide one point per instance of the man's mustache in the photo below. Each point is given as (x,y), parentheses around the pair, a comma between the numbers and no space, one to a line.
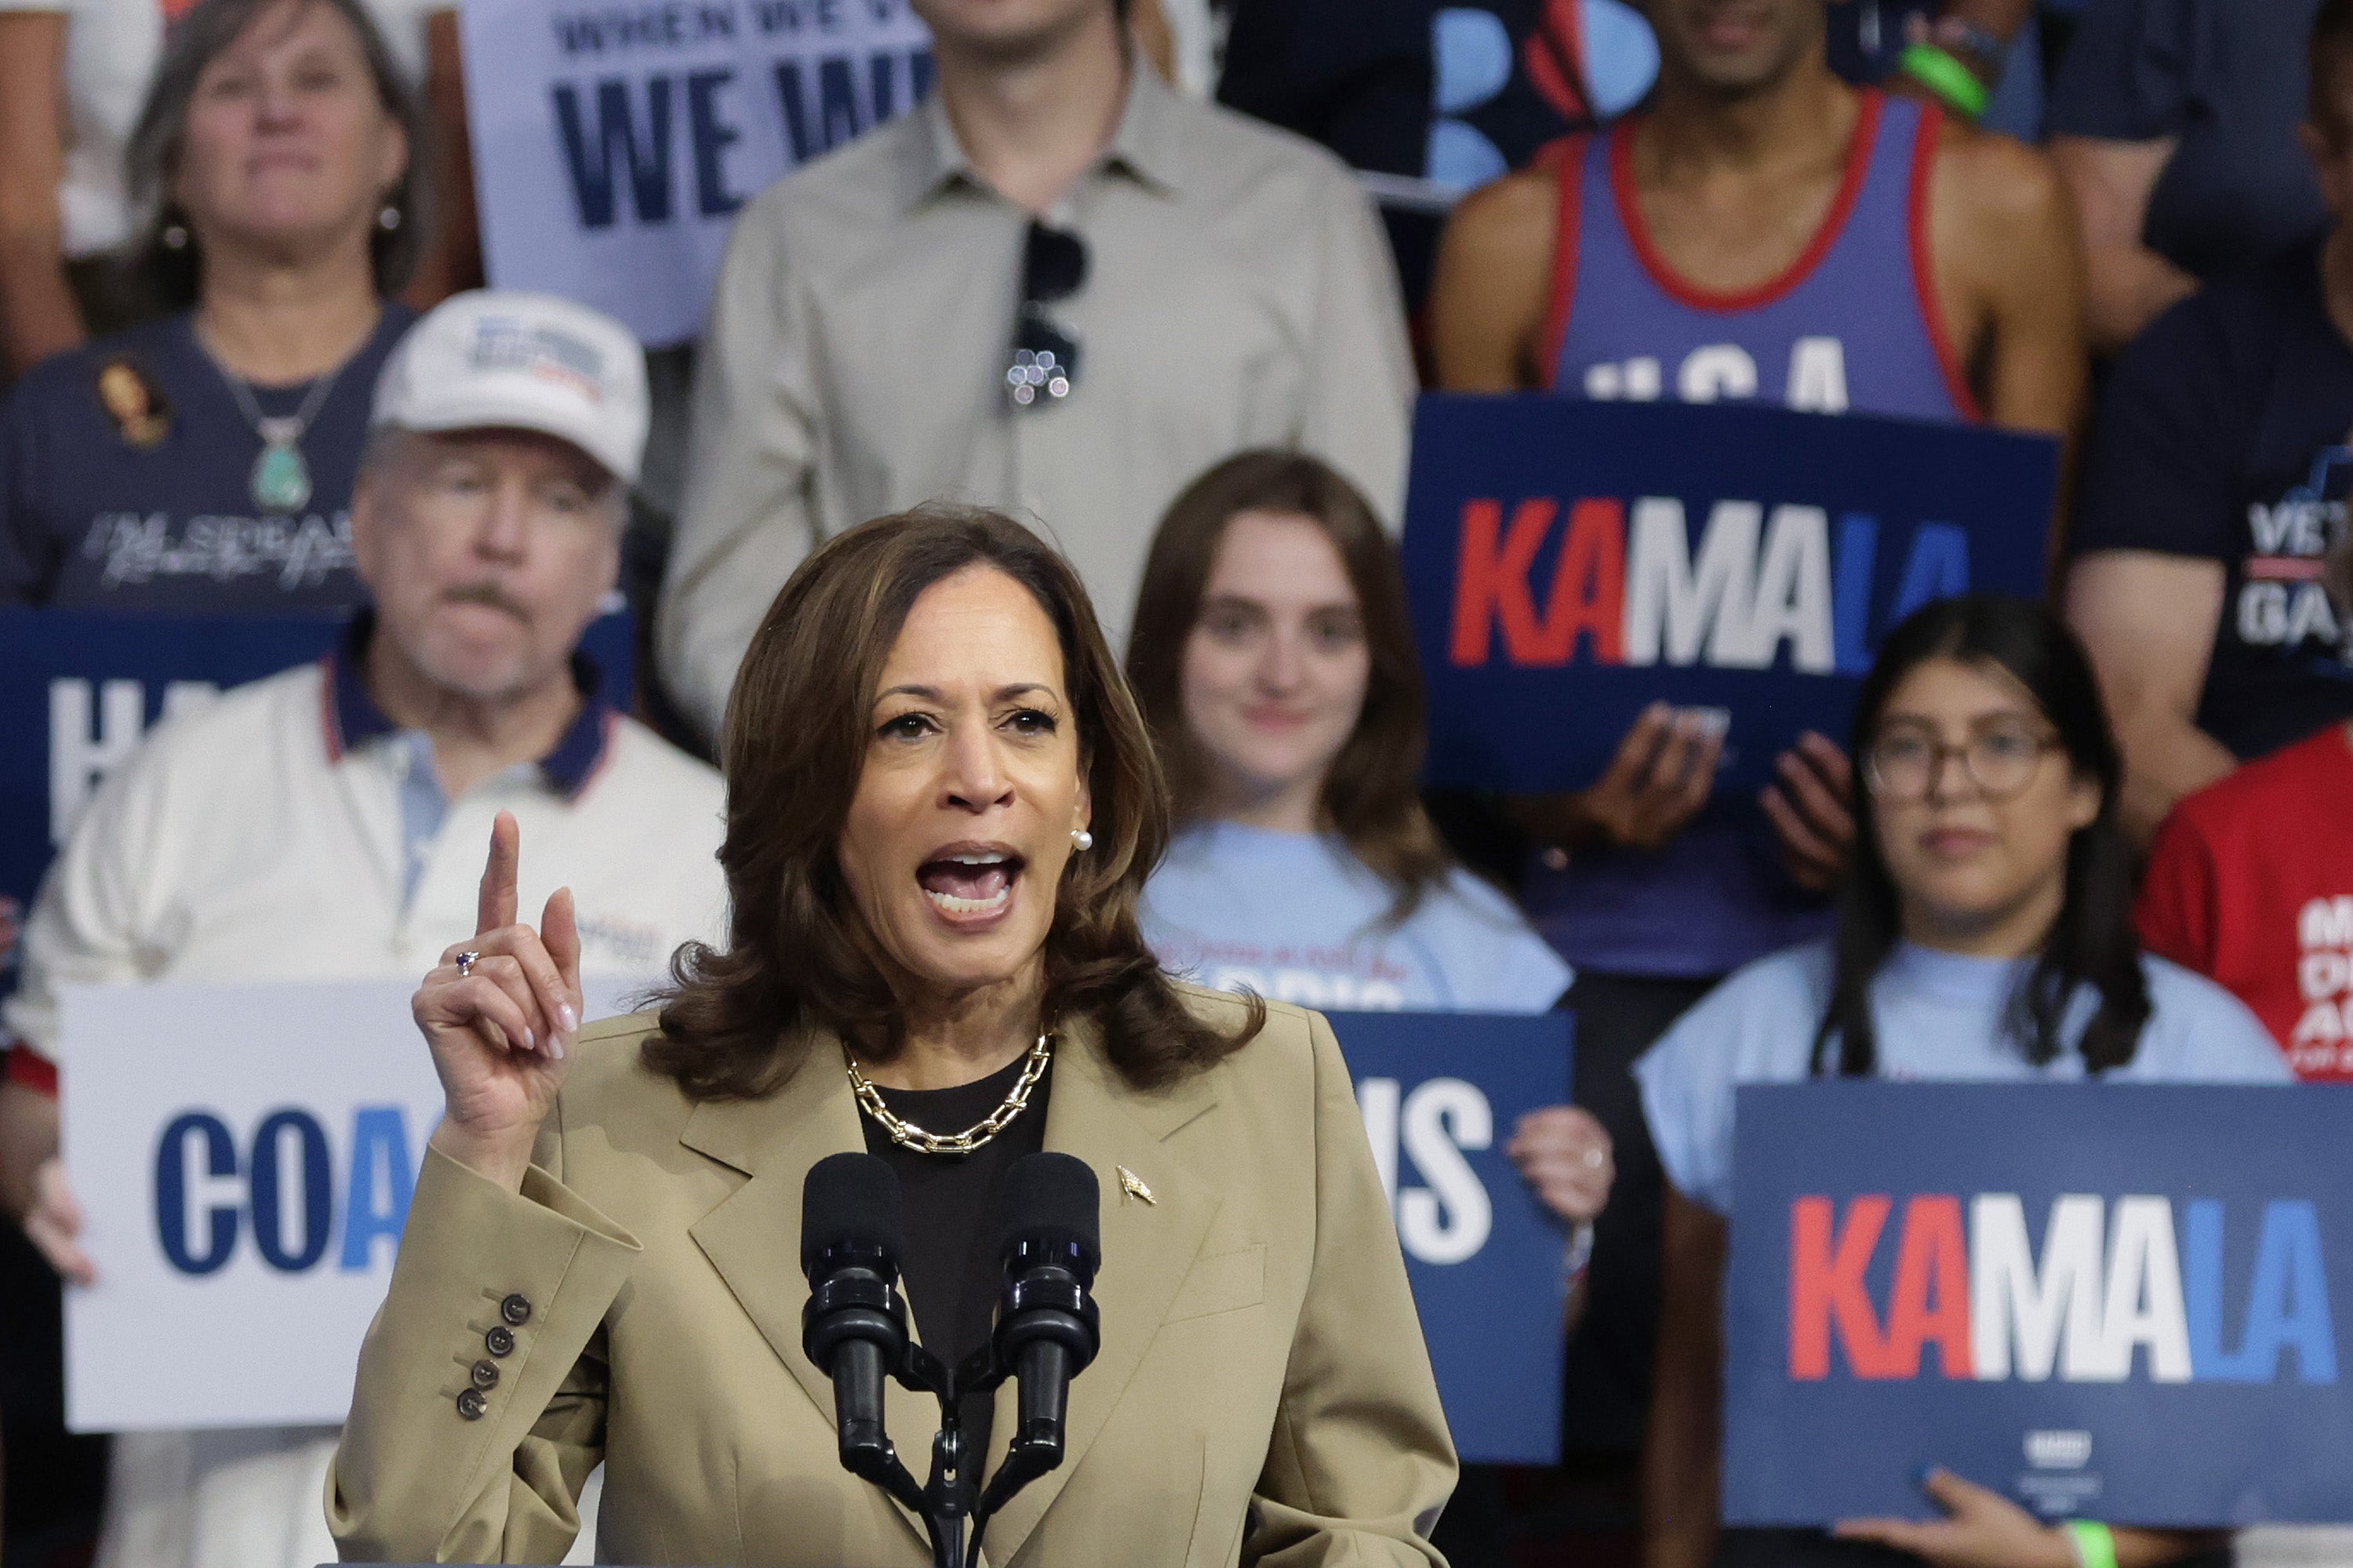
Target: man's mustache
(489,594)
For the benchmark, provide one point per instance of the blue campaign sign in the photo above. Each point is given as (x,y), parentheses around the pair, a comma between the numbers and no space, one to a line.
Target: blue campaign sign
(2123,1302)
(1569,562)
(1441,1093)
(79,688)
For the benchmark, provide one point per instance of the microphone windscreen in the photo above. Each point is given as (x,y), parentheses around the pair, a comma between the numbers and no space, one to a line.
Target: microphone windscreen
(851,1199)
(1052,1197)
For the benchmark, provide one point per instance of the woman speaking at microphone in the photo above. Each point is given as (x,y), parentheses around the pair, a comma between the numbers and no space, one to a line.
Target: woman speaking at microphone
(942,809)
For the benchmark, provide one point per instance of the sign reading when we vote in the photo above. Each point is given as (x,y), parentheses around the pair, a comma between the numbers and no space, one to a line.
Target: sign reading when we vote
(2124,1302)
(614,140)
(1570,562)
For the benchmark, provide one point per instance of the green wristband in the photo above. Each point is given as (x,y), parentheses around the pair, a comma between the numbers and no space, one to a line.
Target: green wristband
(1944,75)
(2094,1543)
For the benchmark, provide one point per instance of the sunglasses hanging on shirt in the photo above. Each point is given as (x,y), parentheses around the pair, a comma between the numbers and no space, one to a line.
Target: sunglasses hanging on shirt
(1045,356)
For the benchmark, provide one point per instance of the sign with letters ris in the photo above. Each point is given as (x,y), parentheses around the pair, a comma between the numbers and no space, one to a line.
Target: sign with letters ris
(1441,1093)
(614,141)
(2123,1302)
(244,1168)
(1570,562)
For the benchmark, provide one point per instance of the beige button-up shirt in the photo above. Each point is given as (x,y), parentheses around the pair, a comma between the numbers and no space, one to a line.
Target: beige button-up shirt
(1239,294)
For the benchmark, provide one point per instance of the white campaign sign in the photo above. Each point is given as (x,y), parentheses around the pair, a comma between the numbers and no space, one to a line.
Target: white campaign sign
(613,140)
(244,1156)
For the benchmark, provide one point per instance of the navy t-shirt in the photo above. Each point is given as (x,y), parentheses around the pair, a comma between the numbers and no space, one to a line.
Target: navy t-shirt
(2227,78)
(2223,437)
(126,473)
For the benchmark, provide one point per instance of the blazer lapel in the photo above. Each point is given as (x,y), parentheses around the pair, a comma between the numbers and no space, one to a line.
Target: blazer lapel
(1147,1248)
(753,1237)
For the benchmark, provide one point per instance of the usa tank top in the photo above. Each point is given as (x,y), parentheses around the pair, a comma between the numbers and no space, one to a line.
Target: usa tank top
(1853,323)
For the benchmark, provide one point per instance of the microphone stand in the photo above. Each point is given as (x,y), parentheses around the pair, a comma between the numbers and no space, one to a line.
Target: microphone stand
(955,1508)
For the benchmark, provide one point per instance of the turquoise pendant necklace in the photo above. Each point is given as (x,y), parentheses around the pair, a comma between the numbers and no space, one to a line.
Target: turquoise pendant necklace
(280,483)
(281,479)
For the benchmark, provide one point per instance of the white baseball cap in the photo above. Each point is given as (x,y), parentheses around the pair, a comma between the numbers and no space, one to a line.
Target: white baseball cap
(533,362)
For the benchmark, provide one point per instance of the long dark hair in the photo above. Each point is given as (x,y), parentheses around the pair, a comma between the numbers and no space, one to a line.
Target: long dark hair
(1370,796)
(2091,942)
(793,746)
(173,274)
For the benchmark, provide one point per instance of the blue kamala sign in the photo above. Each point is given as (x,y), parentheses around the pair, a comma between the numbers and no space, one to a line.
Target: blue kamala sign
(1440,1093)
(1569,562)
(2120,1301)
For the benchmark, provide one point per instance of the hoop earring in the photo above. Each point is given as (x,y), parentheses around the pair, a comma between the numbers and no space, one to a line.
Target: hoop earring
(1082,840)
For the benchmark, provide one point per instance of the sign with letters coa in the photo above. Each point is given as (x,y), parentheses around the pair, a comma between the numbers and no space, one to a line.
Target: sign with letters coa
(1570,562)
(614,140)
(2124,1302)
(244,1167)
(1439,1093)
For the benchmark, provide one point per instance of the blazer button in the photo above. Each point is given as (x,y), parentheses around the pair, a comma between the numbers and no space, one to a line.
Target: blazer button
(500,1341)
(486,1376)
(516,1309)
(471,1405)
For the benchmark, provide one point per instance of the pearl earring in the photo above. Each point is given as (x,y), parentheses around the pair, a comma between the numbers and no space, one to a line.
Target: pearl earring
(1082,840)
(174,237)
(388,220)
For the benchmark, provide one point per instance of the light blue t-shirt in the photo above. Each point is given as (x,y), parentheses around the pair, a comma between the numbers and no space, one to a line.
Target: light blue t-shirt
(1297,917)
(1937,1016)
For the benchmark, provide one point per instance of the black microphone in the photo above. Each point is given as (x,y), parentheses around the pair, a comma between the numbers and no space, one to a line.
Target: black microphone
(855,1324)
(1046,1326)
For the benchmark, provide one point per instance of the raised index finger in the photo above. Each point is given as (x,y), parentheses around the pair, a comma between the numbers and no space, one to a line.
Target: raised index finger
(496,906)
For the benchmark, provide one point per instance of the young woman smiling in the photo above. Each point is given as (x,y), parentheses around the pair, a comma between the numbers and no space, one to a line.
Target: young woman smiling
(1272,657)
(1984,933)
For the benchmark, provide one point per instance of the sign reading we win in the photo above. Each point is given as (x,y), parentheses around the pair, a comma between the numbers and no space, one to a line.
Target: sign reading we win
(1570,562)
(615,140)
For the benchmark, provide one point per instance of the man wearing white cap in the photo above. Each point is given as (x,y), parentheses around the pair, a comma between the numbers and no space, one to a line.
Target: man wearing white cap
(330,821)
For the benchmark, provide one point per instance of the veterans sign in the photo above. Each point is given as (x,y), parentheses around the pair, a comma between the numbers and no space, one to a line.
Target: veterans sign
(1439,1093)
(614,141)
(1569,562)
(2125,1302)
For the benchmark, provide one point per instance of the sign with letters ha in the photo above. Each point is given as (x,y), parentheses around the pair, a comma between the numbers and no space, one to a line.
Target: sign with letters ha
(79,690)
(2125,1302)
(614,140)
(1441,1093)
(1569,562)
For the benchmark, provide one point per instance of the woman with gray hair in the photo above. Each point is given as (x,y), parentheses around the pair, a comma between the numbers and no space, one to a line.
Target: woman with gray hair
(204,461)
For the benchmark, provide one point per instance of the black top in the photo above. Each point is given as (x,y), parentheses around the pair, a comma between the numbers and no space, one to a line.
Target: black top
(2222,438)
(2225,78)
(951,1271)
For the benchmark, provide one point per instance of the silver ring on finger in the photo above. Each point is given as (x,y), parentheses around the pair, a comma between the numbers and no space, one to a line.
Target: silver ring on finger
(466,961)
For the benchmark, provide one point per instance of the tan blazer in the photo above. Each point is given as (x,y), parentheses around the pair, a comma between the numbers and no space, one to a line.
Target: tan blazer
(1262,1394)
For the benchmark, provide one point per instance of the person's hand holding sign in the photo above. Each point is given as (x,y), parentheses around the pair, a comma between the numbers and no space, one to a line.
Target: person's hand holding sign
(501,1012)
(1983,1529)
(1811,803)
(1663,774)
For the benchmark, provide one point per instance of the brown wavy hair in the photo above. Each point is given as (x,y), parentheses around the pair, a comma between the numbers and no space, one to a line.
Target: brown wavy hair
(794,746)
(1371,797)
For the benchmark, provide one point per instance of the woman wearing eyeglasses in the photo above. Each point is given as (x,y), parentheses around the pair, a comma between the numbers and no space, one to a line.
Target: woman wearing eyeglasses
(1983,933)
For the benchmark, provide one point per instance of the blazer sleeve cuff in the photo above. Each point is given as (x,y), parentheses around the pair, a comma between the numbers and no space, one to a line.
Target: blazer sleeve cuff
(439,1411)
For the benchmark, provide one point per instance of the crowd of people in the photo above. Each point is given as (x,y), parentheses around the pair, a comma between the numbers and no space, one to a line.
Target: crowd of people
(2087,838)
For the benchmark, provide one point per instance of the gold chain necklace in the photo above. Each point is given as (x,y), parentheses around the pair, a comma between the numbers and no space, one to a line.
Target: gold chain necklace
(907,1134)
